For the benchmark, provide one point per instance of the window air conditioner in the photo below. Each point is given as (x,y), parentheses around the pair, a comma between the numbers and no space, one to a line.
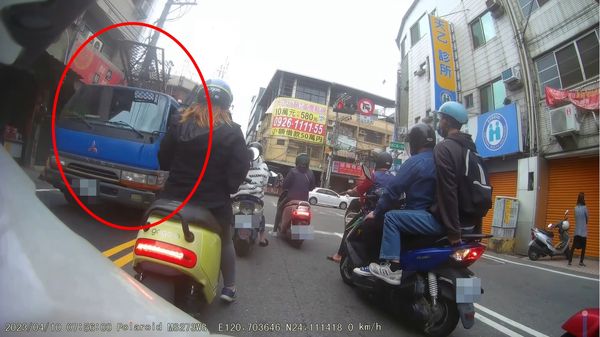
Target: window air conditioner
(512,76)
(563,120)
(97,44)
(495,8)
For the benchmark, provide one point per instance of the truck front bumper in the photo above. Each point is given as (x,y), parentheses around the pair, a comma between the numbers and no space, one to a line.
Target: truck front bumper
(104,190)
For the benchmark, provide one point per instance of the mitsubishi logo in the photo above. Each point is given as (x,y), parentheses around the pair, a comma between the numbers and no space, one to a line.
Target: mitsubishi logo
(93,147)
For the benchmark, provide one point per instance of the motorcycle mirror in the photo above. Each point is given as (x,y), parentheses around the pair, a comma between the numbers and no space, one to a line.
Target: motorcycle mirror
(367,172)
(549,225)
(566,212)
(254,153)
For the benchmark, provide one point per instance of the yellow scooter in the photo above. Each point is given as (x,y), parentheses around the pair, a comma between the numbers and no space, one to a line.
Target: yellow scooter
(180,258)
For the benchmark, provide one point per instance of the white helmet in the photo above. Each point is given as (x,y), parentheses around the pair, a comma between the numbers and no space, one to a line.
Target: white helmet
(565,225)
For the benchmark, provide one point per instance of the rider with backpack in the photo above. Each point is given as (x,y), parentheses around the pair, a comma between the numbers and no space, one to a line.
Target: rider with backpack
(463,195)
(416,179)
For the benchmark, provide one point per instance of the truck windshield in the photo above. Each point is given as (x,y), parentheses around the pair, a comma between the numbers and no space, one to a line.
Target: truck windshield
(119,107)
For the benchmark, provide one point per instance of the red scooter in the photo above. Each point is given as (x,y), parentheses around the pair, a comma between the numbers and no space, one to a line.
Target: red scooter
(295,222)
(582,324)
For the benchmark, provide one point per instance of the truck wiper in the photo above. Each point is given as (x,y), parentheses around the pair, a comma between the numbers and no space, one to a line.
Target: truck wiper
(128,125)
(82,119)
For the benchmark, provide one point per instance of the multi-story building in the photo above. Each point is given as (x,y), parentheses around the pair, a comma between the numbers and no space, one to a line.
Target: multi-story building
(29,98)
(498,57)
(294,114)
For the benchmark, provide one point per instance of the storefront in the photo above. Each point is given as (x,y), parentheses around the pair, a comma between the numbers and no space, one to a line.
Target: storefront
(344,176)
(566,178)
(498,138)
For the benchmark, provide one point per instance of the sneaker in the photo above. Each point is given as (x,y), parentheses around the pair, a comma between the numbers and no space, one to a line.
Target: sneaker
(228,294)
(362,271)
(384,272)
(581,264)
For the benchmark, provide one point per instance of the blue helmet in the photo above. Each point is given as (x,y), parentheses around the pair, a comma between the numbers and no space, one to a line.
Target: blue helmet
(455,110)
(219,91)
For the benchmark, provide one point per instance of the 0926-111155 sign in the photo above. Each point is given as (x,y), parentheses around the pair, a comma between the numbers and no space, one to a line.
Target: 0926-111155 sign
(298,119)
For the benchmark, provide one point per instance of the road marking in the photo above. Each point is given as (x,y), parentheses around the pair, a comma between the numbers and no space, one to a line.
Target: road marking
(510,321)
(493,258)
(274,203)
(497,326)
(549,270)
(47,190)
(120,262)
(119,248)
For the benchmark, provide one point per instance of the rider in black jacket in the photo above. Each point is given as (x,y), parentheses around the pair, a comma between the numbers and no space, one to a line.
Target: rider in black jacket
(296,185)
(183,151)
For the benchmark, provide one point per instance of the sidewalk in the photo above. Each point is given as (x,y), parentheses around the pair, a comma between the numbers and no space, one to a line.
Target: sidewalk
(592,265)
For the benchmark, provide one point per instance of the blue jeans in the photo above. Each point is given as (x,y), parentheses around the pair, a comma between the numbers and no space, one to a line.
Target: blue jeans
(415,222)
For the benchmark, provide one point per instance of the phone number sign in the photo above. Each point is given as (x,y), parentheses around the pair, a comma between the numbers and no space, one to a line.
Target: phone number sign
(298,119)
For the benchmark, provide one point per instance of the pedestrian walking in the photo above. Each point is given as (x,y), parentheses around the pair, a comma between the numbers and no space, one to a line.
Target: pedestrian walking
(581,224)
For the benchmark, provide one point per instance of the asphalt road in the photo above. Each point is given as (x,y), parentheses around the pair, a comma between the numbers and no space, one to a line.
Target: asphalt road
(280,287)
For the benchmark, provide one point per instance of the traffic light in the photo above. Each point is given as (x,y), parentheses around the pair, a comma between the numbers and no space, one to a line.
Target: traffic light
(345,104)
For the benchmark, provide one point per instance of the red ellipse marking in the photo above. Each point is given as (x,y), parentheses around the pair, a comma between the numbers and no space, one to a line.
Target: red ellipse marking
(56,95)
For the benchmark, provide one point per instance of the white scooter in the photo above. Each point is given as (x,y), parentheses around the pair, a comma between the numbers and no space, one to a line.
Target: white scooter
(541,240)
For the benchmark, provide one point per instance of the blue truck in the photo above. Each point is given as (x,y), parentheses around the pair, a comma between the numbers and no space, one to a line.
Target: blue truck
(108,139)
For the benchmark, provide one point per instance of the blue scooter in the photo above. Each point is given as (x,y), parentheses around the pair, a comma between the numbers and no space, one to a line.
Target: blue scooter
(437,288)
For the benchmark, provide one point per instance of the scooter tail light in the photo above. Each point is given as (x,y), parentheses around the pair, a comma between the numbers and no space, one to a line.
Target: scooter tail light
(165,252)
(468,256)
(302,214)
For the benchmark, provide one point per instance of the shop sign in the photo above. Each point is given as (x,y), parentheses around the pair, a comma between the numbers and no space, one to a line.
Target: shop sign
(497,133)
(298,119)
(585,99)
(349,169)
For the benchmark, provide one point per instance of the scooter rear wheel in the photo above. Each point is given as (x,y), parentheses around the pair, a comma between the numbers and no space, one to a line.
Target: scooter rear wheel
(448,320)
(533,254)
(346,270)
(162,286)
(242,247)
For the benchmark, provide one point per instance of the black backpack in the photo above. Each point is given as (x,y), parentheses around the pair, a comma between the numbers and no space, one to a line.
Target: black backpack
(474,192)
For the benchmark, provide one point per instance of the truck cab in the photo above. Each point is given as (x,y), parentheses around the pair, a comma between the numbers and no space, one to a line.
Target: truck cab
(108,139)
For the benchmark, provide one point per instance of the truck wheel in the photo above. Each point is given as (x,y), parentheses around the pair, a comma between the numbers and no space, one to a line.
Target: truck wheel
(533,254)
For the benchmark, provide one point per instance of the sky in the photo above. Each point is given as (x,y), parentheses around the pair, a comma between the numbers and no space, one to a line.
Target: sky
(346,42)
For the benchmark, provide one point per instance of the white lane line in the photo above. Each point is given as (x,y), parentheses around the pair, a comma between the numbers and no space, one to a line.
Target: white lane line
(497,326)
(510,321)
(47,190)
(316,231)
(493,258)
(549,270)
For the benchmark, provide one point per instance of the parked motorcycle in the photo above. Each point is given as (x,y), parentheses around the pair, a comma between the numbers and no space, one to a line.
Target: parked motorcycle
(295,224)
(584,323)
(437,288)
(180,258)
(541,240)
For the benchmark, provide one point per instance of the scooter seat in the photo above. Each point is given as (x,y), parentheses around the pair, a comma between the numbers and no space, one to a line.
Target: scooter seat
(547,233)
(192,214)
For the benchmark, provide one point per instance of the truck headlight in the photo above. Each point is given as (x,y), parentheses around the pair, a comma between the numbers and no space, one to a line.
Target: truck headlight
(134,177)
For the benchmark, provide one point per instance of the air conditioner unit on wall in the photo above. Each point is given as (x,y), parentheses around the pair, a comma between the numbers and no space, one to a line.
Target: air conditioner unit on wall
(563,120)
(495,8)
(512,77)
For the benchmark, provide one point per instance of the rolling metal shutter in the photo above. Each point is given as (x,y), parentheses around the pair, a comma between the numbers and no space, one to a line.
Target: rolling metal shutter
(568,177)
(503,184)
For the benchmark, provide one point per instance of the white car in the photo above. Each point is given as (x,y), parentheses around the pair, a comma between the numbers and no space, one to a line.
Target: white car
(327,197)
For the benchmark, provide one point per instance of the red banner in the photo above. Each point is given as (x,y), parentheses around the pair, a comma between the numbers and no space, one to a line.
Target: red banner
(586,99)
(347,169)
(94,68)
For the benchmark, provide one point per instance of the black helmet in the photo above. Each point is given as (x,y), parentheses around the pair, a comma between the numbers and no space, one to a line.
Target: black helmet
(219,91)
(420,135)
(302,160)
(258,146)
(383,161)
